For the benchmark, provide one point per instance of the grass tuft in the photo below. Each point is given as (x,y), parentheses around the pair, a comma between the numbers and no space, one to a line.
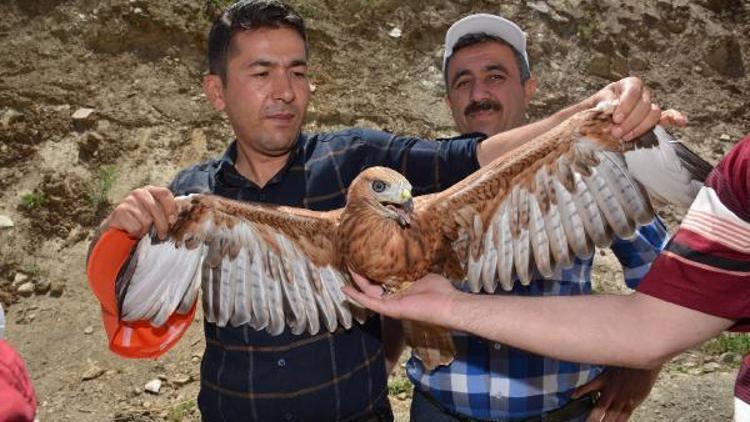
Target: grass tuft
(99,189)
(398,385)
(34,200)
(181,411)
(729,342)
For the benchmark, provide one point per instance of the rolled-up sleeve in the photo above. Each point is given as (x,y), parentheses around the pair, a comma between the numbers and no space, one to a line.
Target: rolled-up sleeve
(637,254)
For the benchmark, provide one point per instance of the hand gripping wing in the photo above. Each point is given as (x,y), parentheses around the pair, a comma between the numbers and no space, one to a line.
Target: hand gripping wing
(267,266)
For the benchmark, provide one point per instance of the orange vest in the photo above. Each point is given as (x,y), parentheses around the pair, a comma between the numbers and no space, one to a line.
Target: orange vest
(132,339)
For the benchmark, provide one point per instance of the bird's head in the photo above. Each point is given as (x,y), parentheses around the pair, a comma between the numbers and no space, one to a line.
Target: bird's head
(387,191)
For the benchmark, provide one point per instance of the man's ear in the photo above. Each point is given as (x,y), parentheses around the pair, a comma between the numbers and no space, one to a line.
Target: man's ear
(213,87)
(529,90)
(447,100)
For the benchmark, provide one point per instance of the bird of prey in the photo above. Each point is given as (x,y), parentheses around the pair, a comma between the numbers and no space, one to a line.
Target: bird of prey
(533,210)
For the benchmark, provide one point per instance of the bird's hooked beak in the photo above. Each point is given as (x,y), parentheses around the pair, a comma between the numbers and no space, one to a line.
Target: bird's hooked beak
(402,207)
(408,203)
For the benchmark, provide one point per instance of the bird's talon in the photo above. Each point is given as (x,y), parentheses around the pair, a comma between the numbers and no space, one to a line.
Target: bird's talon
(403,287)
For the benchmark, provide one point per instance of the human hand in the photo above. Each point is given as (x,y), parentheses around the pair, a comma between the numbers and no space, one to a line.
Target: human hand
(142,208)
(635,114)
(621,390)
(429,299)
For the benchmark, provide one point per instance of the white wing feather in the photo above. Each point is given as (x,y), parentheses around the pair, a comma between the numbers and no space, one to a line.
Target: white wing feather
(266,287)
(607,198)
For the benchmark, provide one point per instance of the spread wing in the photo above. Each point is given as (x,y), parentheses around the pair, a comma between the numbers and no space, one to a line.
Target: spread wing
(267,266)
(559,196)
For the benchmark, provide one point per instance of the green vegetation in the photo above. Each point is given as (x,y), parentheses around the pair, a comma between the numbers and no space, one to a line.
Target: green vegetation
(99,189)
(729,342)
(34,270)
(181,411)
(398,385)
(34,200)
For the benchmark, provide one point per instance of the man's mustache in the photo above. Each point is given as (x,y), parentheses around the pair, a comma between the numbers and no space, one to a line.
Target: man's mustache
(485,105)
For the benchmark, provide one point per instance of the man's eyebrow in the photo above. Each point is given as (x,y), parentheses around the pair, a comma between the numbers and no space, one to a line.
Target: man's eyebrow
(488,68)
(496,66)
(459,74)
(269,63)
(261,62)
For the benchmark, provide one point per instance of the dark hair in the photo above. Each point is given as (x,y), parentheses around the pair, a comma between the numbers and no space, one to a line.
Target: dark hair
(245,15)
(480,38)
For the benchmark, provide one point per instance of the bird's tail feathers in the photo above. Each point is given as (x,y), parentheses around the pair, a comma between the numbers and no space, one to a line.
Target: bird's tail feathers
(433,345)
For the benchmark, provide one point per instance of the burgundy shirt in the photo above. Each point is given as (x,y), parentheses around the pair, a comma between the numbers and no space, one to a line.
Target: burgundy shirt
(706,265)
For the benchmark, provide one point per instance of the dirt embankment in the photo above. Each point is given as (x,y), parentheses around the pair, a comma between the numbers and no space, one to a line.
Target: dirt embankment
(100,97)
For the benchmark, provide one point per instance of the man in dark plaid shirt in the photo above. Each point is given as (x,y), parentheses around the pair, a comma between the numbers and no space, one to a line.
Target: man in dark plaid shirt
(258,77)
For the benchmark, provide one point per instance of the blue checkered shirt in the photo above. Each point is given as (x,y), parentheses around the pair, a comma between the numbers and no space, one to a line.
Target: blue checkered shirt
(251,375)
(493,381)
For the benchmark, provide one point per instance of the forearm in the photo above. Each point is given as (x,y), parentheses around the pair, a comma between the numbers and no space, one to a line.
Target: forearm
(500,144)
(633,331)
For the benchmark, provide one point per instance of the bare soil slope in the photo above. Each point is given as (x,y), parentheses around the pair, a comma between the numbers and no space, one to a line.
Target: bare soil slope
(137,64)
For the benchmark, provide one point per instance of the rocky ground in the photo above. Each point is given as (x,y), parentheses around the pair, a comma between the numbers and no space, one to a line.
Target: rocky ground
(100,97)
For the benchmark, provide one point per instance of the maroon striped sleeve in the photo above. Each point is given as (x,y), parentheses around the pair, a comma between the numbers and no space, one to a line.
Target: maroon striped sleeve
(706,265)
(731,179)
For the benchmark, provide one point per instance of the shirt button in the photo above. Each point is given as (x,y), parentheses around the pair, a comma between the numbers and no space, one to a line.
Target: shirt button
(498,346)
(262,197)
(288,416)
(281,362)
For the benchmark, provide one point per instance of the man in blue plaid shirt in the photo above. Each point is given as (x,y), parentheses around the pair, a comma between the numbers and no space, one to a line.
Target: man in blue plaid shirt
(489,85)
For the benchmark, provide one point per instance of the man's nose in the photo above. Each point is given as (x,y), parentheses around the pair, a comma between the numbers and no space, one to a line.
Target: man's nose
(479,91)
(283,89)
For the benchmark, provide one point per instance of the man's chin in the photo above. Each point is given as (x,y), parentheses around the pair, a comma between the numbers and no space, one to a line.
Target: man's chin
(281,143)
(279,133)
(283,125)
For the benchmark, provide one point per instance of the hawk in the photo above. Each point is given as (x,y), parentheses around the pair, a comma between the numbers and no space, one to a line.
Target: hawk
(534,210)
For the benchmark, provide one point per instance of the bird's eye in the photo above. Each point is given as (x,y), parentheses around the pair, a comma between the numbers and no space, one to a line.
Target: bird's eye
(378,186)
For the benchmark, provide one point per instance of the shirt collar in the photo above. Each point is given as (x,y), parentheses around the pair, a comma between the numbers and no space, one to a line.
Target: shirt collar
(228,173)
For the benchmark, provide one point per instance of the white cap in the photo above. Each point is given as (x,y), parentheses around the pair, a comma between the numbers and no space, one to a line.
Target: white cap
(490,25)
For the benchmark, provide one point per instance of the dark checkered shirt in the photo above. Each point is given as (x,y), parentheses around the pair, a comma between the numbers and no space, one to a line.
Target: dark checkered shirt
(251,375)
